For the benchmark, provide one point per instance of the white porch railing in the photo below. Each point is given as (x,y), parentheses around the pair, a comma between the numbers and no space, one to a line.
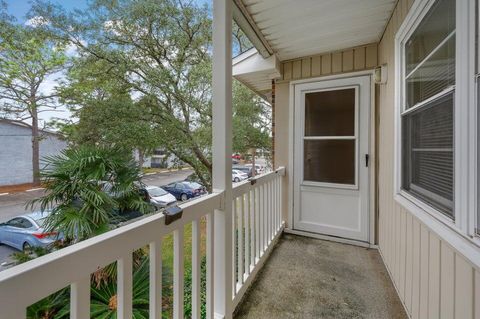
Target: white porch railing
(257,223)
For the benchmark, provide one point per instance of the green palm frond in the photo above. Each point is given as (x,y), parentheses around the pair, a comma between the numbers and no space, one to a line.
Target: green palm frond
(51,307)
(75,181)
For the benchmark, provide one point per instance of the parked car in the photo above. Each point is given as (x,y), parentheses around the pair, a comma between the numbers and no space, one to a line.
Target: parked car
(245,169)
(237,156)
(159,197)
(259,169)
(26,231)
(238,176)
(185,190)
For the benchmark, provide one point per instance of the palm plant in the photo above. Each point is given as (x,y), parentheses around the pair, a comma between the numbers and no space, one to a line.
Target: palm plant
(55,306)
(104,297)
(86,187)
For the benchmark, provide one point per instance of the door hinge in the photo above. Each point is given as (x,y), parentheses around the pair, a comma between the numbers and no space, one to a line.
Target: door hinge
(367,157)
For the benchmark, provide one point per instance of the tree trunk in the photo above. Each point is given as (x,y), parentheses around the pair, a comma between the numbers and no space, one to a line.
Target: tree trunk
(254,169)
(141,158)
(35,147)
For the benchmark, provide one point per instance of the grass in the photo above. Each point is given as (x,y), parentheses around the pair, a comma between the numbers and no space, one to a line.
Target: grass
(167,261)
(167,244)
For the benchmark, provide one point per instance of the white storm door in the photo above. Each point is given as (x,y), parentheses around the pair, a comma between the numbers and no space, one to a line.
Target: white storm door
(331,144)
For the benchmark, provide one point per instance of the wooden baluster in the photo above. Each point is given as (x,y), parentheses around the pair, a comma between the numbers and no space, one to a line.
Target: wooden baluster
(178,273)
(252,228)
(124,287)
(240,240)
(246,215)
(258,238)
(155,305)
(196,270)
(234,247)
(80,299)
(210,268)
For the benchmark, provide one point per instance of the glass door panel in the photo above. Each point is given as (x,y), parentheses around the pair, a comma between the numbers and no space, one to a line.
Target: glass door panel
(330,138)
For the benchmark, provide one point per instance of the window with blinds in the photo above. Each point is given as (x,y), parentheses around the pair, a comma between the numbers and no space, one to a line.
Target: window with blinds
(428,108)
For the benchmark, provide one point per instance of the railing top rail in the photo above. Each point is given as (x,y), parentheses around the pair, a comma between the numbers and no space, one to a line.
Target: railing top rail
(243,187)
(57,270)
(61,268)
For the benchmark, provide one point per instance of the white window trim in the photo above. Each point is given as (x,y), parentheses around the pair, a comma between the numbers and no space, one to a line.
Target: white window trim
(475,229)
(460,232)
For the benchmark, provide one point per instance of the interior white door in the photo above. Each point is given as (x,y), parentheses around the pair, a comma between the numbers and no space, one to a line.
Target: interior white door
(331,143)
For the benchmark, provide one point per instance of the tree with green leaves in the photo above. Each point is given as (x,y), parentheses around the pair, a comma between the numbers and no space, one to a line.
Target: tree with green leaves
(251,121)
(162,51)
(241,43)
(27,59)
(158,51)
(105,112)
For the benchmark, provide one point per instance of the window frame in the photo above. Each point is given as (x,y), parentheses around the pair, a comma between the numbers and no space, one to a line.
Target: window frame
(465,123)
(476,217)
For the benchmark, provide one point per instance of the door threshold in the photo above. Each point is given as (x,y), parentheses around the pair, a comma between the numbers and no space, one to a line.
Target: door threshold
(330,238)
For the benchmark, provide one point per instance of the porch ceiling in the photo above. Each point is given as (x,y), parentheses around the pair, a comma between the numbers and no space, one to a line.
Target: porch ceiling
(300,28)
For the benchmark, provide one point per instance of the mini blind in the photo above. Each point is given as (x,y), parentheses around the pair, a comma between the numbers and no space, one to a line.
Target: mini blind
(427,119)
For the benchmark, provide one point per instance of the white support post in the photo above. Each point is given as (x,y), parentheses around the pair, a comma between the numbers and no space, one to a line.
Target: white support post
(222,151)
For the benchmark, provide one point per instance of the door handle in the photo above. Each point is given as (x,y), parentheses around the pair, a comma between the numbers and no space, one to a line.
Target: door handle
(367,157)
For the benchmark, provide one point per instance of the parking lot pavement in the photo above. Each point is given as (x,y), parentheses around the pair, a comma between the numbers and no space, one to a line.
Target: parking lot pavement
(161,179)
(12,205)
(5,260)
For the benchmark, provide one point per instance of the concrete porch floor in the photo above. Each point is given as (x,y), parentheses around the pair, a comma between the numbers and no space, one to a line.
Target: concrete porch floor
(311,278)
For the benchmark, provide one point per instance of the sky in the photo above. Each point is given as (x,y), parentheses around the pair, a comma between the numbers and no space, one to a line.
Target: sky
(19,9)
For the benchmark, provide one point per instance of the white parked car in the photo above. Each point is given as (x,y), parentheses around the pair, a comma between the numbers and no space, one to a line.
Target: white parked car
(238,176)
(259,169)
(160,197)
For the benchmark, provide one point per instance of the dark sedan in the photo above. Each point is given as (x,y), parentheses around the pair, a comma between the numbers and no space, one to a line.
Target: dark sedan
(185,190)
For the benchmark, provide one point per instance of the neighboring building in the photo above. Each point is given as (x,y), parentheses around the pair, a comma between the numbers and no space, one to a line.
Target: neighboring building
(159,159)
(16,151)
(162,159)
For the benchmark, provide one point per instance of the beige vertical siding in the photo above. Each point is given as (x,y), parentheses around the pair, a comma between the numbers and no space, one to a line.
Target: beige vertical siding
(349,60)
(355,59)
(432,279)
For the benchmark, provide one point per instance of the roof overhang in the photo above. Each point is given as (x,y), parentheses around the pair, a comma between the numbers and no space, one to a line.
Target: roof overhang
(247,24)
(256,72)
